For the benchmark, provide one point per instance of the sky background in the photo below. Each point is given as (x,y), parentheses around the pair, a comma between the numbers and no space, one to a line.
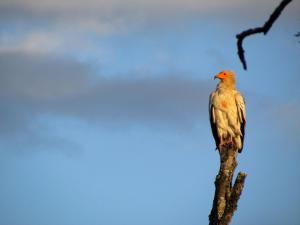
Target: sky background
(104,111)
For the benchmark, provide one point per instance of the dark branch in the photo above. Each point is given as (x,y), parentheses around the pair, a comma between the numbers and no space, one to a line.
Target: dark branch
(264,29)
(297,35)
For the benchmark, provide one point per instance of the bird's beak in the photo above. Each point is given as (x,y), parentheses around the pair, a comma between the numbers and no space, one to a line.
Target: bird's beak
(220,76)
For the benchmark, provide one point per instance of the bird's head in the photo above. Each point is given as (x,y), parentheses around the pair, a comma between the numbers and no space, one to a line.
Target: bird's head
(226,77)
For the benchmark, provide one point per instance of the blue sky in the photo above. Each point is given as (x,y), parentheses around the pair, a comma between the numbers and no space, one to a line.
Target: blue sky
(104,117)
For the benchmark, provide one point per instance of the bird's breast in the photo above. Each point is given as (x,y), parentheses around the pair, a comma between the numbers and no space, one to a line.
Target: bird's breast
(224,101)
(223,104)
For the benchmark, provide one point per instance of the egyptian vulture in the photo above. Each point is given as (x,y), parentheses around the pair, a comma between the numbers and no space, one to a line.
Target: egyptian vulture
(227,112)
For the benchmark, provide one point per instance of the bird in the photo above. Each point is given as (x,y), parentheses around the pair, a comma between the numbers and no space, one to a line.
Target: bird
(227,112)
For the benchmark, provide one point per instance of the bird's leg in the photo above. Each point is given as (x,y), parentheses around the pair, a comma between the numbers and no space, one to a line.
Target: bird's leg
(226,140)
(231,141)
(221,142)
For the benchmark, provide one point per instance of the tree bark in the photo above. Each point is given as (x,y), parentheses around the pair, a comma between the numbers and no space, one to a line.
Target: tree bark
(226,196)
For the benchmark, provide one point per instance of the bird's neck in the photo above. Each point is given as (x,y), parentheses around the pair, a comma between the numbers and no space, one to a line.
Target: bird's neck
(226,86)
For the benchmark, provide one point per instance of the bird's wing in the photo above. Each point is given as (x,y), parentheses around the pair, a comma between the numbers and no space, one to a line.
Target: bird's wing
(212,118)
(240,103)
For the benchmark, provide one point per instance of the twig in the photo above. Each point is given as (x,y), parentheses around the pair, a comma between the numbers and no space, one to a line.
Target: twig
(297,35)
(264,29)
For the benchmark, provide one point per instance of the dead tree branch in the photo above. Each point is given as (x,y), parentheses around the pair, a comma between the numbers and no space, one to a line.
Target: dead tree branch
(297,35)
(264,29)
(226,196)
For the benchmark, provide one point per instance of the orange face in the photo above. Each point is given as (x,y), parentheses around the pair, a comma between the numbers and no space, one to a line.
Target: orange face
(221,75)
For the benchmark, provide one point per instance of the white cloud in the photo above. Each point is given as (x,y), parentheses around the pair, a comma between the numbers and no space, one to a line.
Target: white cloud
(36,42)
(60,26)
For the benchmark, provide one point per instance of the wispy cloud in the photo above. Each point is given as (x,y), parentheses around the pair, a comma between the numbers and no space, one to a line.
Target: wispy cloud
(58,27)
(35,85)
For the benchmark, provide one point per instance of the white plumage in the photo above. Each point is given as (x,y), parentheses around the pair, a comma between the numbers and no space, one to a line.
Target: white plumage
(227,112)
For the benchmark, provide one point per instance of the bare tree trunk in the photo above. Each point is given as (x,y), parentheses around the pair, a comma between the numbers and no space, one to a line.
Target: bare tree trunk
(226,195)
